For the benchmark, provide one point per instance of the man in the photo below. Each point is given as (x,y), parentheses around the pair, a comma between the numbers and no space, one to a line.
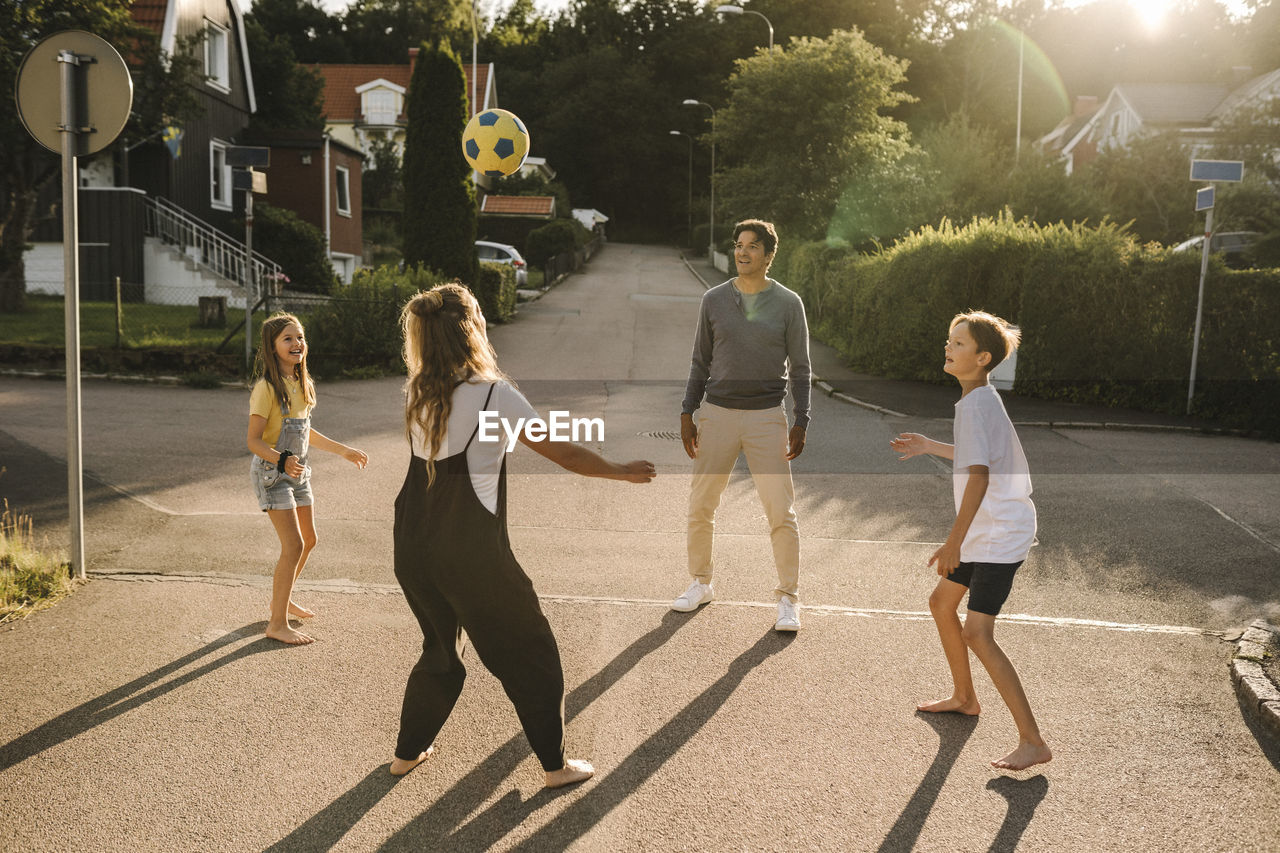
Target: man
(752,338)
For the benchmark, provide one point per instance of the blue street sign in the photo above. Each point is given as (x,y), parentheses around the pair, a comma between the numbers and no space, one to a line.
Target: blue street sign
(1217,170)
(1204,198)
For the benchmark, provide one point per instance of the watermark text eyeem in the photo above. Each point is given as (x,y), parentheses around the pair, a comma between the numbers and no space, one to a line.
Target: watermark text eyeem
(558,427)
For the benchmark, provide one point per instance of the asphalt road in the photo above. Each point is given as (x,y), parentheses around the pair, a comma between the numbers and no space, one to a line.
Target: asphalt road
(148,711)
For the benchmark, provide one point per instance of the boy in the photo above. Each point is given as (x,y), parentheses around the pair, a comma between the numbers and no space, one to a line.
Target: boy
(994,529)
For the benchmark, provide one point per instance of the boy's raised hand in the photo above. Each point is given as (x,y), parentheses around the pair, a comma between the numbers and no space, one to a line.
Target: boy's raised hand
(947,558)
(910,444)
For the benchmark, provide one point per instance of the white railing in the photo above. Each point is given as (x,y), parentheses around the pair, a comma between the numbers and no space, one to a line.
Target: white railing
(207,246)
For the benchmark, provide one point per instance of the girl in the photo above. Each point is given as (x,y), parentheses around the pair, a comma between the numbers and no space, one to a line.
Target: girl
(452,555)
(280,434)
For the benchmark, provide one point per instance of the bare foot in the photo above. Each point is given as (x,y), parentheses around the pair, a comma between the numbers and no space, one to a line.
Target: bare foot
(299,611)
(969,707)
(575,770)
(1026,755)
(290,636)
(400,766)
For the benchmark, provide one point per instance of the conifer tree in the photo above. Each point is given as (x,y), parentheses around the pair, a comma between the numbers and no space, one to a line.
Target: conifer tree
(440,201)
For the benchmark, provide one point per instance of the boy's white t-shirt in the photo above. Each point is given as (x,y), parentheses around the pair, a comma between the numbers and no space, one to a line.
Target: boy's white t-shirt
(484,458)
(1004,529)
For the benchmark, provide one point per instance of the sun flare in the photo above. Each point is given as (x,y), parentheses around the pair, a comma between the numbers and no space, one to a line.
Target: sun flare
(1151,12)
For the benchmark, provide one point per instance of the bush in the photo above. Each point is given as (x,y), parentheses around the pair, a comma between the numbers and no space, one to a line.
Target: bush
(724,237)
(360,331)
(496,290)
(296,245)
(554,238)
(1105,319)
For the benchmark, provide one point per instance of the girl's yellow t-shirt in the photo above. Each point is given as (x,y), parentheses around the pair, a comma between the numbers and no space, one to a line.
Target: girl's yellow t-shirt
(263,402)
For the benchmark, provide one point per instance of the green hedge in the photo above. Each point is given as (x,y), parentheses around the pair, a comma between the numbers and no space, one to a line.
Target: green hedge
(496,290)
(1105,320)
(297,246)
(358,332)
(554,238)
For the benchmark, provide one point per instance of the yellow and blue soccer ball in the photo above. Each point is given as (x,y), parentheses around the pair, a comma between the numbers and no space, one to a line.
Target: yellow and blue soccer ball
(495,143)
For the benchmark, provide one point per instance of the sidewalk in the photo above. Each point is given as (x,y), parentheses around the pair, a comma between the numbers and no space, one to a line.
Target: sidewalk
(833,376)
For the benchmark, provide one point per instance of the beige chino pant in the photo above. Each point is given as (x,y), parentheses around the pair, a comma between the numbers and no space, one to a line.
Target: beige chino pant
(761,434)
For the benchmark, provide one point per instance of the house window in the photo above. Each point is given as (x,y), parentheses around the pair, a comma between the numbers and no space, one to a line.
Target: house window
(381,106)
(344,191)
(219,177)
(1117,127)
(217,56)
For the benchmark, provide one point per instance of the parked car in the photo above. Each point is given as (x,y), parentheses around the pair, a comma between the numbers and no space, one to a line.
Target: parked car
(1234,246)
(501,253)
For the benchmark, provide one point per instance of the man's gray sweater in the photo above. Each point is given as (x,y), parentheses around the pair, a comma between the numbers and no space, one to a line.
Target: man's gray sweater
(743,360)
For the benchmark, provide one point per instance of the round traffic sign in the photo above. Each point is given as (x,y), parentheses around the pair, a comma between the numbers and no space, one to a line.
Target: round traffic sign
(104,91)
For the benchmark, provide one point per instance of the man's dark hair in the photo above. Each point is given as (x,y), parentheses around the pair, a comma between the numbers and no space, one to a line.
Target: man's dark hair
(764,230)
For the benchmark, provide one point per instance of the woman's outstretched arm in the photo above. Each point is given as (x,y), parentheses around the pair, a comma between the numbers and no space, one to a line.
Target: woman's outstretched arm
(588,463)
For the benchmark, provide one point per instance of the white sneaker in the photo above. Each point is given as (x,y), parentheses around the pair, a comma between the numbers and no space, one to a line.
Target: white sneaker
(695,596)
(788,614)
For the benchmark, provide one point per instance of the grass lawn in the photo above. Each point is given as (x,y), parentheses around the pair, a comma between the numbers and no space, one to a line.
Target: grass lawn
(160,326)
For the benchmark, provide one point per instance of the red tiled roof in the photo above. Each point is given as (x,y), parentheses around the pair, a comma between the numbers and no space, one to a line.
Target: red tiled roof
(150,13)
(519,205)
(342,103)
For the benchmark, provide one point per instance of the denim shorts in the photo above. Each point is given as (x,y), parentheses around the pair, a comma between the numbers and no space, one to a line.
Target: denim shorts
(276,490)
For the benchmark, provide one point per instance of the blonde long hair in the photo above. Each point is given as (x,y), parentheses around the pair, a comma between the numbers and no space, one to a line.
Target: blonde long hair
(444,343)
(268,366)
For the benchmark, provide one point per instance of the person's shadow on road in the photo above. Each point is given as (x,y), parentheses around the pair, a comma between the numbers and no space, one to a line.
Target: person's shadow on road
(138,692)
(434,828)
(1023,797)
(645,760)
(953,732)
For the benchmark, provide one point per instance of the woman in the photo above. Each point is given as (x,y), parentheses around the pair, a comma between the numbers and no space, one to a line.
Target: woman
(452,555)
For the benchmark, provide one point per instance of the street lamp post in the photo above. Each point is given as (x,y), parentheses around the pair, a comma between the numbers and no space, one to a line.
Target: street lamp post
(711,238)
(689,233)
(475,39)
(728,9)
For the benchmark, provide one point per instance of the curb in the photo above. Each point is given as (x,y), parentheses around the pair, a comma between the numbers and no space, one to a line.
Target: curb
(1254,688)
(136,378)
(826,388)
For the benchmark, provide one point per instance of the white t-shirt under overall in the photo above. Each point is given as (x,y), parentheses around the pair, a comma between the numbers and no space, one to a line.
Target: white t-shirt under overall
(484,458)
(1004,529)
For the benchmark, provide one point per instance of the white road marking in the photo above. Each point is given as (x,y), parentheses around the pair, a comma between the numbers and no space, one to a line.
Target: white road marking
(349,587)
(150,504)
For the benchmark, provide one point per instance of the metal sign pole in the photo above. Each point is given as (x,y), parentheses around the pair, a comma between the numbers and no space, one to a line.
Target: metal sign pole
(70,129)
(248,281)
(1195,340)
(53,100)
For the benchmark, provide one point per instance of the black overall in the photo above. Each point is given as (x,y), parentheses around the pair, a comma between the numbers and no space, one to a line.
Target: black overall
(453,559)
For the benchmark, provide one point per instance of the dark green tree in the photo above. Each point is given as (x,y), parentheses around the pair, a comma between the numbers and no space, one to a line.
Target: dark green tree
(161,96)
(1146,184)
(311,33)
(383,179)
(379,31)
(290,96)
(801,124)
(440,213)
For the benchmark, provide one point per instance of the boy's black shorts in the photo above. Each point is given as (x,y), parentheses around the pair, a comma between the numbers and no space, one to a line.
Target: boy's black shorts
(989,584)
